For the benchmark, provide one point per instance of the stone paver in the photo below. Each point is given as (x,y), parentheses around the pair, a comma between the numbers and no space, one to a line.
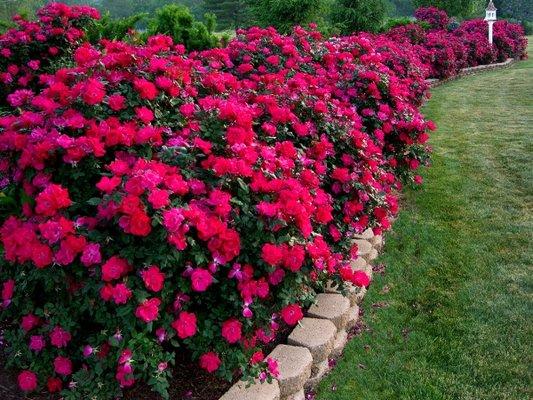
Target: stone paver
(257,391)
(377,242)
(359,296)
(318,373)
(340,342)
(300,395)
(365,235)
(359,264)
(353,317)
(334,307)
(363,247)
(317,335)
(371,255)
(294,364)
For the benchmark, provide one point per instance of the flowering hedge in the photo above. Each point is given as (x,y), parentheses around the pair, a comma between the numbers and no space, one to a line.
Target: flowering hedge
(196,201)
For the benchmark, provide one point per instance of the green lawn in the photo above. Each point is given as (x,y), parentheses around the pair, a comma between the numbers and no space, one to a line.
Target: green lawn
(458,320)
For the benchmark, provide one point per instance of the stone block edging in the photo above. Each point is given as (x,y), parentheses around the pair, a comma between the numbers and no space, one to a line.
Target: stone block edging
(472,70)
(320,336)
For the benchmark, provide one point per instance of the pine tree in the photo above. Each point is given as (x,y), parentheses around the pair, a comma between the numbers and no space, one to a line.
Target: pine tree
(229,13)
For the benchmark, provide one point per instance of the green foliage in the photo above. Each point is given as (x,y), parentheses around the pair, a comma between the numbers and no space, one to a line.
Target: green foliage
(520,9)
(229,13)
(394,22)
(456,8)
(178,22)
(528,27)
(8,8)
(358,15)
(113,28)
(401,7)
(285,14)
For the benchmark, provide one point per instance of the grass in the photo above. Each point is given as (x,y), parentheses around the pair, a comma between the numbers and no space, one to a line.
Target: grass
(458,315)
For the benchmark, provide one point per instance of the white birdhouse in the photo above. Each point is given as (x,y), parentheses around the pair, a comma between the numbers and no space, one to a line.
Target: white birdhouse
(490,12)
(490,17)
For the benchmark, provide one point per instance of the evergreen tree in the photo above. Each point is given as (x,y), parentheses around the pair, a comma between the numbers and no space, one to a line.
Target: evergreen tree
(285,14)
(359,15)
(229,13)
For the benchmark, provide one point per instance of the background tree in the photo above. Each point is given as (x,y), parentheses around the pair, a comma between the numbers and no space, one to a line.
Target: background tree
(285,14)
(178,22)
(358,15)
(519,9)
(230,13)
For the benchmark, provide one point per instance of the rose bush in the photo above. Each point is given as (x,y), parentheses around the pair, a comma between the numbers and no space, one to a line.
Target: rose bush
(200,201)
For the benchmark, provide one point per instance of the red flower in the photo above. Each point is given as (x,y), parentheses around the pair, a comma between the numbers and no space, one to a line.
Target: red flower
(201,280)
(293,257)
(54,385)
(94,92)
(27,381)
(148,310)
(292,314)
(29,322)
(210,361)
(257,357)
(62,366)
(59,337)
(52,199)
(107,185)
(144,114)
(120,293)
(232,330)
(146,89)
(185,325)
(114,268)
(158,198)
(153,278)
(272,254)
(360,278)
(116,102)
(37,343)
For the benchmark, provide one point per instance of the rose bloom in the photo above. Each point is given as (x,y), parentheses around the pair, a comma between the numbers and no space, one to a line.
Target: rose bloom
(148,310)
(201,279)
(210,361)
(37,343)
(153,278)
(29,322)
(114,268)
(360,278)
(257,357)
(59,337)
(62,366)
(54,384)
(232,330)
(291,314)
(185,325)
(121,293)
(27,381)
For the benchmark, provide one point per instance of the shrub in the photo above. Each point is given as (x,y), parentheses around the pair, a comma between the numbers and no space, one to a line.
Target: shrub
(114,28)
(436,18)
(156,217)
(177,22)
(285,14)
(457,8)
(395,22)
(358,15)
(35,48)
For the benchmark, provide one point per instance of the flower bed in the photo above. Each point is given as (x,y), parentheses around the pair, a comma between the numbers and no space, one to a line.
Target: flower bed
(163,200)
